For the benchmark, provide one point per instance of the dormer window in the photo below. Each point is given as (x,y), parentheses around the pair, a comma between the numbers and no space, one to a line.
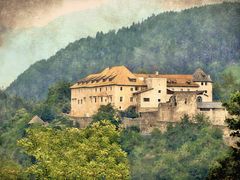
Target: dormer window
(132,79)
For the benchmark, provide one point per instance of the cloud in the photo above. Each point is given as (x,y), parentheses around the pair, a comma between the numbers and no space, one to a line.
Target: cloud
(17,14)
(176,5)
(36,29)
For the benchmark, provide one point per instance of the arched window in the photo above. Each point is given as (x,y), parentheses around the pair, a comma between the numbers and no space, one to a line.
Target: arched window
(173,100)
(199,99)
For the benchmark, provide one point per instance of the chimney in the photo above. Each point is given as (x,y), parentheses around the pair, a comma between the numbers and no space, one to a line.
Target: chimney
(157,73)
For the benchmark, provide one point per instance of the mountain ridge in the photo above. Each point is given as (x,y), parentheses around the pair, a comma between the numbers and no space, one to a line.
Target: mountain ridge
(206,37)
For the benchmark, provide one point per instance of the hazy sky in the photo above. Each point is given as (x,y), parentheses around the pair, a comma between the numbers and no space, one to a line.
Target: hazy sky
(31,30)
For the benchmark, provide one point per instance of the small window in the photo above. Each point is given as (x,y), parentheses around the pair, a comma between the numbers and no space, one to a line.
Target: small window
(185,101)
(78,101)
(146,99)
(120,107)
(121,88)
(121,99)
(106,88)
(100,89)
(81,101)
(96,89)
(159,100)
(111,99)
(131,89)
(159,91)
(131,99)
(101,99)
(202,83)
(136,88)
(95,99)
(206,83)
(199,99)
(132,79)
(205,91)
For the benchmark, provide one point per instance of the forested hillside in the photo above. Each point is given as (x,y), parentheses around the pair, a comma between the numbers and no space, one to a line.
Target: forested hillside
(171,42)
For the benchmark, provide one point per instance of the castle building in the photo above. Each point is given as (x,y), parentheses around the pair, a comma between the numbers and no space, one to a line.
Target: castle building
(147,92)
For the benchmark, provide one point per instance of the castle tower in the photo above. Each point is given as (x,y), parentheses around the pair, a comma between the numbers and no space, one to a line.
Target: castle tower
(205,84)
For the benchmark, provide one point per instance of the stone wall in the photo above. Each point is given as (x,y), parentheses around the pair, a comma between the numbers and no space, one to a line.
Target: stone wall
(81,122)
(181,103)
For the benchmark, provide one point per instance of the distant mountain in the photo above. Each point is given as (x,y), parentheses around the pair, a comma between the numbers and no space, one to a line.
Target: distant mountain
(171,42)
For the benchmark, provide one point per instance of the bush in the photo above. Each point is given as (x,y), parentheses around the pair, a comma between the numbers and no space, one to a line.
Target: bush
(130,112)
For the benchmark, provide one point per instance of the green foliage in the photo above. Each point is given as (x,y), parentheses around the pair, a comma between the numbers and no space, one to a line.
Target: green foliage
(59,95)
(10,155)
(92,153)
(130,112)
(45,111)
(228,168)
(233,107)
(9,169)
(56,103)
(109,113)
(185,151)
(8,107)
(228,83)
(130,138)
(14,117)
(171,42)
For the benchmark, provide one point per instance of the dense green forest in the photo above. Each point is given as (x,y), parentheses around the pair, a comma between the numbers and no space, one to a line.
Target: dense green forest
(184,151)
(171,42)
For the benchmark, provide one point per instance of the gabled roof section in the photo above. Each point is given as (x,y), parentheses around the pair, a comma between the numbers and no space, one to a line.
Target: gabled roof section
(200,76)
(36,120)
(117,75)
(143,91)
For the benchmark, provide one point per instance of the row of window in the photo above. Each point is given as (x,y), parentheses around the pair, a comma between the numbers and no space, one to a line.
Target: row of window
(109,88)
(204,83)
(136,88)
(95,99)
(101,99)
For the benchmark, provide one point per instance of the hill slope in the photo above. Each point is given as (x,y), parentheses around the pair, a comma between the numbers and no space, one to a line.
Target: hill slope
(171,42)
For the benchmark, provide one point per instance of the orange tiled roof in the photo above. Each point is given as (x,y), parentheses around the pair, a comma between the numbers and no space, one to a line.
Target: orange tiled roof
(173,80)
(118,75)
